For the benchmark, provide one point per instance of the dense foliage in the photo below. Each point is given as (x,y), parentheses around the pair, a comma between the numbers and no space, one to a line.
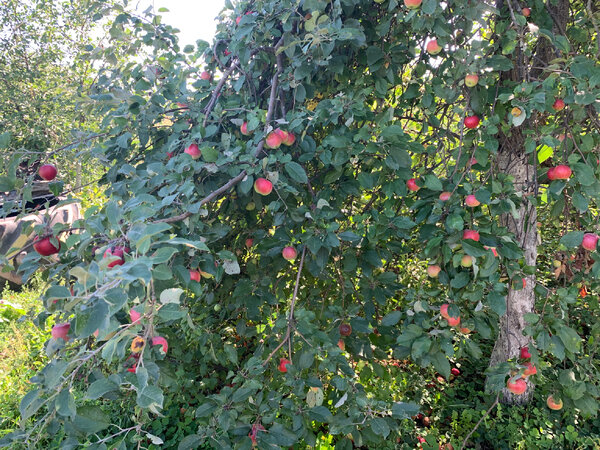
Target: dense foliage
(181,291)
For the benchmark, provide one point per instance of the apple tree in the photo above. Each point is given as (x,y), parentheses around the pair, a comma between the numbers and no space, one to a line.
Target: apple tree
(329,188)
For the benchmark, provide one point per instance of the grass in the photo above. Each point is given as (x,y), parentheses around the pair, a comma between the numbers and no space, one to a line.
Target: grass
(21,351)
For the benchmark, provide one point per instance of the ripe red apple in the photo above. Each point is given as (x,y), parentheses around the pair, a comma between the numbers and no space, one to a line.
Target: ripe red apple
(283,362)
(170,155)
(590,240)
(205,75)
(466,261)
(493,249)
(288,139)
(561,172)
(529,370)
(159,340)
(465,330)
(48,172)
(453,321)
(282,134)
(471,80)
(526,12)
(117,251)
(273,140)
(412,185)
(60,331)
(263,186)
(249,242)
(473,161)
(525,353)
(244,129)
(412,4)
(558,105)
(472,201)
(471,122)
(445,196)
(237,20)
(433,270)
(444,311)
(194,275)
(471,234)
(345,329)
(553,403)
(517,387)
(550,173)
(289,253)
(342,345)
(193,151)
(134,316)
(433,48)
(44,247)
(454,371)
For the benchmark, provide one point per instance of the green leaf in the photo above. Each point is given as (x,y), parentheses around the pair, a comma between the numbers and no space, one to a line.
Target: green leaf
(320,414)
(296,172)
(65,404)
(380,427)
(91,419)
(497,302)
(206,409)
(572,239)
(432,182)
(391,319)
(100,387)
(440,363)
(190,442)
(402,410)
(171,295)
(584,174)
(570,338)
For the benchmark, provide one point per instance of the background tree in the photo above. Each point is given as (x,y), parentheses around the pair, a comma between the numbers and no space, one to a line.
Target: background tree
(270,276)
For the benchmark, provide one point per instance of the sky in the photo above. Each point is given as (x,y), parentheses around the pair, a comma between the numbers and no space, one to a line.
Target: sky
(194,18)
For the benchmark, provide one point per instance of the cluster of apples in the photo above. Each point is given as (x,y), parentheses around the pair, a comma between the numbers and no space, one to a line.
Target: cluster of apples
(518,385)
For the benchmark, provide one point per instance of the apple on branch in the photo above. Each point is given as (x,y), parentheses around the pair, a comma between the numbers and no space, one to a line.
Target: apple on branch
(48,172)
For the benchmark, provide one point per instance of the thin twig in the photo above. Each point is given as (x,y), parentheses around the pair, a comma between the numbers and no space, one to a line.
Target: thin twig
(480,420)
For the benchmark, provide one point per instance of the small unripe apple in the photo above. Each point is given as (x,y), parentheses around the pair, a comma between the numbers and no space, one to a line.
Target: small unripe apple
(60,331)
(453,321)
(345,329)
(289,253)
(159,340)
(526,12)
(590,240)
(412,185)
(466,261)
(433,48)
(561,172)
(558,105)
(44,246)
(273,140)
(517,387)
(444,311)
(249,242)
(556,263)
(471,234)
(193,151)
(471,201)
(283,363)
(48,172)
(194,275)
(445,196)
(471,122)
(530,369)
(554,404)
(525,353)
(263,186)
(412,4)
(433,270)
(244,129)
(205,75)
(471,80)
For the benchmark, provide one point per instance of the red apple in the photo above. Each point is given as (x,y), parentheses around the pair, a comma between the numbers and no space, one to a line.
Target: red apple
(553,403)
(433,48)
(283,365)
(193,151)
(342,345)
(517,387)
(249,242)
(453,321)
(289,139)
(465,330)
(471,234)
(289,253)
(493,249)
(134,316)
(345,329)
(44,247)
(226,52)
(558,105)
(471,122)
(529,370)
(170,155)
(525,353)
(550,173)
(444,311)
(433,270)
(117,251)
(412,185)
(237,20)
(590,240)
(472,161)
(263,186)
(412,4)
(48,172)
(159,340)
(445,196)
(472,201)
(471,80)
(282,134)
(60,331)
(273,140)
(454,371)
(562,172)
(244,129)
(526,12)
(205,75)
(466,261)
(194,275)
